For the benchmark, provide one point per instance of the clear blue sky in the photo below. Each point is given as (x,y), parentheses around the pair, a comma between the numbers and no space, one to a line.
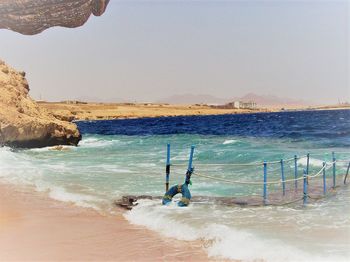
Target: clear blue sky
(146,50)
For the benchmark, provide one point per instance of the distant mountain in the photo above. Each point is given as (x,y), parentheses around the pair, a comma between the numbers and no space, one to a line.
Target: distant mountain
(100,100)
(261,100)
(188,99)
(270,100)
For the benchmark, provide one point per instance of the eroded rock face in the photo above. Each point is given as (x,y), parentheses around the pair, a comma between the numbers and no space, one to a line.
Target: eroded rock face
(31,17)
(22,122)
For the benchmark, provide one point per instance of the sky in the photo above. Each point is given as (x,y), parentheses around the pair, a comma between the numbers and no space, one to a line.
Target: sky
(149,50)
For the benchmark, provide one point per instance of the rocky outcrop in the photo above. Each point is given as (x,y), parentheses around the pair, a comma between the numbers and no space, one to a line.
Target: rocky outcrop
(22,122)
(31,17)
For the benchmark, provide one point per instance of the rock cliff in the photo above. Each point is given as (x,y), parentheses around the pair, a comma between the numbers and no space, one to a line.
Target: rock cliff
(31,17)
(22,122)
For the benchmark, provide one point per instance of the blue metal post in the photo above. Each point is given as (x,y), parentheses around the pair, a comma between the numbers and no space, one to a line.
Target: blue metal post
(347,173)
(333,158)
(324,178)
(167,171)
(265,185)
(191,158)
(296,171)
(190,166)
(305,188)
(283,179)
(307,167)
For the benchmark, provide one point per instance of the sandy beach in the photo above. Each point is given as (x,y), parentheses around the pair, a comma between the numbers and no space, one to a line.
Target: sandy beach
(106,111)
(36,228)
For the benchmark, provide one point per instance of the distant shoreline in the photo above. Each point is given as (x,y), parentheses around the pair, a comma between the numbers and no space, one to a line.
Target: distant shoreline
(204,115)
(81,111)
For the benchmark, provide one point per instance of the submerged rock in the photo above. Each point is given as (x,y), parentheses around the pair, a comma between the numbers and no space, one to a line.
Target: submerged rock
(23,123)
(130,201)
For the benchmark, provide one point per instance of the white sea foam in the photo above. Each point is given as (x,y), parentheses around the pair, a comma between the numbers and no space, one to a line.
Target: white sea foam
(312,161)
(115,169)
(220,241)
(228,142)
(180,157)
(17,168)
(61,194)
(51,148)
(95,142)
(145,165)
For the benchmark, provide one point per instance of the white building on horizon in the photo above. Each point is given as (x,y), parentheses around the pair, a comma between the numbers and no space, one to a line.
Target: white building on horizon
(244,105)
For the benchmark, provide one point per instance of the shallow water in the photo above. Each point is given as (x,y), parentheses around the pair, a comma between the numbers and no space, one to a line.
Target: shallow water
(122,157)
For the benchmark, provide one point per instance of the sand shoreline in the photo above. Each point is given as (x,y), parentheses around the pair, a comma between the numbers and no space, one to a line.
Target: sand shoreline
(110,111)
(36,228)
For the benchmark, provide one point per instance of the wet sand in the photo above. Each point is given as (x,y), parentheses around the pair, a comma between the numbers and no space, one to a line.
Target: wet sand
(36,228)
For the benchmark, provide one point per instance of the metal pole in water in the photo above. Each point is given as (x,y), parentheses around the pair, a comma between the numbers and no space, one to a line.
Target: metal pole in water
(347,173)
(305,188)
(307,167)
(167,171)
(324,178)
(190,167)
(296,171)
(333,158)
(191,158)
(283,179)
(265,180)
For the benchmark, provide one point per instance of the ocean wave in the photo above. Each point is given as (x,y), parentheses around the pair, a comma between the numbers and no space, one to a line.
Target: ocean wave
(61,194)
(116,169)
(219,241)
(231,141)
(96,142)
(312,161)
(17,168)
(52,148)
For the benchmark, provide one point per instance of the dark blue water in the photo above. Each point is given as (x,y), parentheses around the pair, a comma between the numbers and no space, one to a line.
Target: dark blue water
(329,127)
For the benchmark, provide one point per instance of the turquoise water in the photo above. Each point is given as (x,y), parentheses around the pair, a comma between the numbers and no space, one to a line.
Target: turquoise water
(105,167)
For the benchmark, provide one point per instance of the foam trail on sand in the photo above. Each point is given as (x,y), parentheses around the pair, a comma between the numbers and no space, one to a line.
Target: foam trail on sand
(61,194)
(220,241)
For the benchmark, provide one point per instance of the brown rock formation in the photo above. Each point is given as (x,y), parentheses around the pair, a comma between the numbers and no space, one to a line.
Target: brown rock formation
(31,17)
(22,122)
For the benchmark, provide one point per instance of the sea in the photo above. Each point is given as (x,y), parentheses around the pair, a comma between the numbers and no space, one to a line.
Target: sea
(128,157)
